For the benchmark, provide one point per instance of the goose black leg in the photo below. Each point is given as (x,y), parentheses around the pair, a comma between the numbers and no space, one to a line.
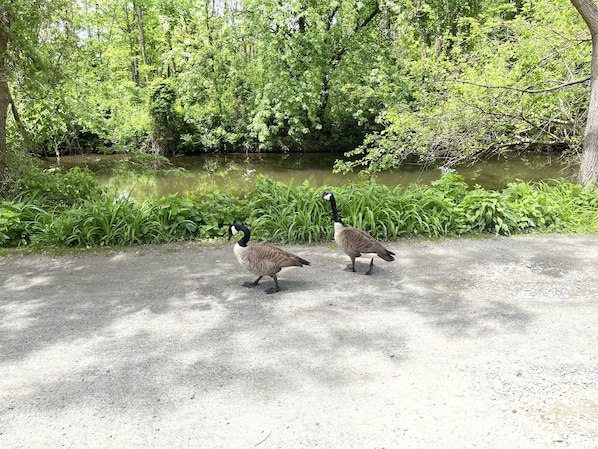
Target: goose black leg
(371,268)
(273,289)
(252,284)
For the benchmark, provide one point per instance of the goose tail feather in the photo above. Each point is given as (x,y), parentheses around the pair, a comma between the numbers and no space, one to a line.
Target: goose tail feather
(388,256)
(303,261)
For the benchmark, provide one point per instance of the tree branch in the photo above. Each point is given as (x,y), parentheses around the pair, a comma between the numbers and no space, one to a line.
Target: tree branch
(368,19)
(15,113)
(518,89)
(340,53)
(331,15)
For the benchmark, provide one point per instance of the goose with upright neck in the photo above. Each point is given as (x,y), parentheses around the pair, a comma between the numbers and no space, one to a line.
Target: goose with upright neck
(353,241)
(261,259)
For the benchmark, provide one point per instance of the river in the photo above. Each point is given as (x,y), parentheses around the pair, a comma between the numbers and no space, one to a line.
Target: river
(238,172)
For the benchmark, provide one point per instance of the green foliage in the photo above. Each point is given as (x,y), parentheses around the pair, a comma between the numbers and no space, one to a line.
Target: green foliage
(286,213)
(388,82)
(282,213)
(219,209)
(485,211)
(99,220)
(162,101)
(97,223)
(11,228)
(52,188)
(481,85)
(572,207)
(165,120)
(250,75)
(139,163)
(19,222)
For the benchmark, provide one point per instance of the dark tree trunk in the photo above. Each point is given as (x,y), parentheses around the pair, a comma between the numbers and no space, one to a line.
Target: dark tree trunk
(139,14)
(129,26)
(21,127)
(4,94)
(588,170)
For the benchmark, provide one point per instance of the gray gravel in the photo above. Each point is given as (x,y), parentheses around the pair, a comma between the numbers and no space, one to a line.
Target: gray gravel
(486,343)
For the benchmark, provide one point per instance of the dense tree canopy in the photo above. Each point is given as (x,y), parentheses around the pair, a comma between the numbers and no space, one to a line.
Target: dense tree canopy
(386,81)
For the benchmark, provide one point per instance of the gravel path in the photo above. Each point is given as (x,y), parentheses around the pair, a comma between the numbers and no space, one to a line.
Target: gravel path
(469,343)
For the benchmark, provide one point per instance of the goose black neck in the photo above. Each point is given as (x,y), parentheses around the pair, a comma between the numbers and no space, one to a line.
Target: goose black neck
(246,234)
(333,206)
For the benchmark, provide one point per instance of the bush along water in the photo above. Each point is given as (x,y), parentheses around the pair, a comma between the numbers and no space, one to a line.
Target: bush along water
(70,210)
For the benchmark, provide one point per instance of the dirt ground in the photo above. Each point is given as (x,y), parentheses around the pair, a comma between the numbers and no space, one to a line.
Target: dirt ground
(466,343)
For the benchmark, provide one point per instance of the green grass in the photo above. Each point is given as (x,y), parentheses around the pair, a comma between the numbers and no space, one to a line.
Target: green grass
(71,211)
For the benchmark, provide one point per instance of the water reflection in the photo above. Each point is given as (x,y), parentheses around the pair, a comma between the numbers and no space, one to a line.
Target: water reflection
(238,172)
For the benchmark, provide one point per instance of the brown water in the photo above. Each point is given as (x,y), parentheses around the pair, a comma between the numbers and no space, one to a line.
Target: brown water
(238,172)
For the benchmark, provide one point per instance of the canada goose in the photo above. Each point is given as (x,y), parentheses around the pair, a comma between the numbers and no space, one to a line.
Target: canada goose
(355,242)
(260,259)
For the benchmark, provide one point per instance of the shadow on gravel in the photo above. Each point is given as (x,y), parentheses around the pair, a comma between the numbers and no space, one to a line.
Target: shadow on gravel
(158,332)
(464,293)
(151,337)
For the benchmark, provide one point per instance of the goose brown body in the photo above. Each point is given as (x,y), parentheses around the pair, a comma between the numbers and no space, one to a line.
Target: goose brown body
(266,260)
(262,259)
(356,242)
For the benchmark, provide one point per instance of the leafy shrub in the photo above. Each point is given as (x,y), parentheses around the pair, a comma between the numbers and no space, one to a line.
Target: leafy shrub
(10,222)
(219,209)
(573,208)
(53,188)
(18,222)
(529,207)
(286,213)
(165,120)
(484,211)
(96,224)
(177,216)
(277,212)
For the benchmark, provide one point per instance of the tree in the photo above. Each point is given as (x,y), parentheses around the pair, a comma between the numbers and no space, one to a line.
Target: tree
(318,66)
(511,79)
(165,122)
(7,15)
(588,170)
(5,19)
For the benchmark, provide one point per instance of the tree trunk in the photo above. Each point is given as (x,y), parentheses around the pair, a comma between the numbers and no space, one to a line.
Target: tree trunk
(133,54)
(4,94)
(588,170)
(15,113)
(139,14)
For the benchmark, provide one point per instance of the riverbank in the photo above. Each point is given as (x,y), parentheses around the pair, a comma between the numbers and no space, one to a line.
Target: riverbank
(457,344)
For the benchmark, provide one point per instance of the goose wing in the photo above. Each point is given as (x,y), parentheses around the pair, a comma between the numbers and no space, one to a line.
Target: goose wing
(268,259)
(355,240)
